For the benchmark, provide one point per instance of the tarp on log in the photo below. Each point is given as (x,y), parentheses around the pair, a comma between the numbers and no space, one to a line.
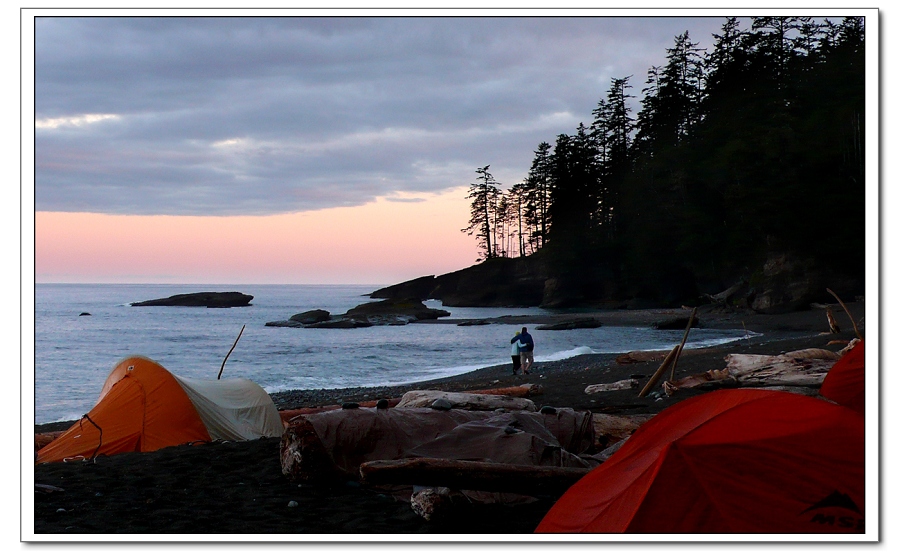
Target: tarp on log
(335,443)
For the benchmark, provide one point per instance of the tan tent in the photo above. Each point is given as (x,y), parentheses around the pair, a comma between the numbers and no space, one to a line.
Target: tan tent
(143,407)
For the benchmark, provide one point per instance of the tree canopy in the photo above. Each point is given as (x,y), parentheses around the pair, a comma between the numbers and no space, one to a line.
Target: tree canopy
(756,146)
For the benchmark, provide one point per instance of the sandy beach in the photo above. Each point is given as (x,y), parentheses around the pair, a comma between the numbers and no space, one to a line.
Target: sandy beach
(238,488)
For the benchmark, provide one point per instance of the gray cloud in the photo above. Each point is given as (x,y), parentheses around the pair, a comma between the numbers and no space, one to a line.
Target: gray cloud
(256,116)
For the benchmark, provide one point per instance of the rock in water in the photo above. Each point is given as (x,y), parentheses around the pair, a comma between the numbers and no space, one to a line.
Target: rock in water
(208,299)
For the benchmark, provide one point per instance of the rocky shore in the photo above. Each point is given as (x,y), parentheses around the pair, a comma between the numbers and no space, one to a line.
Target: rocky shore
(238,488)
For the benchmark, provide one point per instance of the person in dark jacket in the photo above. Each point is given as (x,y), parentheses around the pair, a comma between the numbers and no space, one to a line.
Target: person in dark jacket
(526,349)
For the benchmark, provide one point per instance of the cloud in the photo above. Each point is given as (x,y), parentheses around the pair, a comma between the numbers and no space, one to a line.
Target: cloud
(258,116)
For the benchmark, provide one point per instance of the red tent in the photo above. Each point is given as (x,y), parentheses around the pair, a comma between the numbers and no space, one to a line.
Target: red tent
(845,383)
(732,461)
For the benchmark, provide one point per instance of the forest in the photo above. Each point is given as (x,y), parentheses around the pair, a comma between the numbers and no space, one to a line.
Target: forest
(750,151)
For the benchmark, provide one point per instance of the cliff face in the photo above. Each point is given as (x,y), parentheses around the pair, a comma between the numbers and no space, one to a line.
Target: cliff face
(499,282)
(782,283)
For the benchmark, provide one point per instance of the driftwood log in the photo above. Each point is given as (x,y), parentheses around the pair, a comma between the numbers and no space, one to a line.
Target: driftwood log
(626,384)
(465,401)
(610,429)
(467,474)
(805,367)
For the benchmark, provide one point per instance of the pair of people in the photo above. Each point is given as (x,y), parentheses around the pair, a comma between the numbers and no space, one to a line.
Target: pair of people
(522,351)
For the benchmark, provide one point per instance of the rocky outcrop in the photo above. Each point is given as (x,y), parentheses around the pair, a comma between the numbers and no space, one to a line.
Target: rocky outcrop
(208,299)
(676,323)
(575,324)
(391,312)
(498,282)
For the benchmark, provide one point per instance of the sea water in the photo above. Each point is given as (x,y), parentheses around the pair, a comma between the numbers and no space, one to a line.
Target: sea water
(83,330)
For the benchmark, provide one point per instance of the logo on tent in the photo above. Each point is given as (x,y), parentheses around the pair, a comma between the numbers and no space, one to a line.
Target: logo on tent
(840,501)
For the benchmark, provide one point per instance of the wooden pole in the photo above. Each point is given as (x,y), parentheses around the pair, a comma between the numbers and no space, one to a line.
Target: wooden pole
(855,329)
(659,372)
(683,340)
(222,368)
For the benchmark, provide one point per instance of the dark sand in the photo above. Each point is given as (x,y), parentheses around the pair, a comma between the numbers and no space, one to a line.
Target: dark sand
(238,488)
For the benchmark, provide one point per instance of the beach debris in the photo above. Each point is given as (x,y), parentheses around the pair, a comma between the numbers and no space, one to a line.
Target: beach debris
(645,356)
(610,429)
(846,310)
(626,384)
(521,391)
(832,323)
(687,329)
(464,400)
(805,367)
(45,488)
(660,371)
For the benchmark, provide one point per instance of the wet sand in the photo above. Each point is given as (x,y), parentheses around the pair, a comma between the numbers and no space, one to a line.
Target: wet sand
(238,488)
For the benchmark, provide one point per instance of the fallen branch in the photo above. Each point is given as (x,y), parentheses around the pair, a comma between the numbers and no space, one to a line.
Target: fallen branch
(683,341)
(467,474)
(853,322)
(222,368)
(659,372)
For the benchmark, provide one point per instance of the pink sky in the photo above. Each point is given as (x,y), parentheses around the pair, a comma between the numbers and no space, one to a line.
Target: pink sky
(382,242)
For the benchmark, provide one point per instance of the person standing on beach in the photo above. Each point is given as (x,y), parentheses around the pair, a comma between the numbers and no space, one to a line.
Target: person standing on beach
(514,352)
(526,349)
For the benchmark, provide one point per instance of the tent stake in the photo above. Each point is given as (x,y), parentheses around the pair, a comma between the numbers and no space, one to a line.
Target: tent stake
(222,368)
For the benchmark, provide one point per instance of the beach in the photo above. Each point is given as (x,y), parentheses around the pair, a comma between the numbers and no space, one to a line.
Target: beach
(238,488)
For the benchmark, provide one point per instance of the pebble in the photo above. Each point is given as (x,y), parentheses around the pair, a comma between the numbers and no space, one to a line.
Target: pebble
(293,504)
(60,510)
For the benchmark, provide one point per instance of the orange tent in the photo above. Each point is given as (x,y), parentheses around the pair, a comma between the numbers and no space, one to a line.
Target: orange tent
(732,461)
(845,383)
(143,407)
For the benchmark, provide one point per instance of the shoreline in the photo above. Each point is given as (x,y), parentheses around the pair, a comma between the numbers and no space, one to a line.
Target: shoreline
(185,489)
(777,333)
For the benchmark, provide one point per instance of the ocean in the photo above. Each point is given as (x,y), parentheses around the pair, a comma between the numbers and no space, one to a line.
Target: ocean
(83,330)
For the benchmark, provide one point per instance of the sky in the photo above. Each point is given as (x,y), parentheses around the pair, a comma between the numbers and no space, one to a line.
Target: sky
(302,149)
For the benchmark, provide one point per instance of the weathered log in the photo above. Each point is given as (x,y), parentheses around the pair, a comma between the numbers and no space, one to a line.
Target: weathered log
(702,378)
(521,391)
(641,356)
(304,456)
(465,401)
(659,372)
(466,474)
(626,384)
(610,429)
(805,367)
